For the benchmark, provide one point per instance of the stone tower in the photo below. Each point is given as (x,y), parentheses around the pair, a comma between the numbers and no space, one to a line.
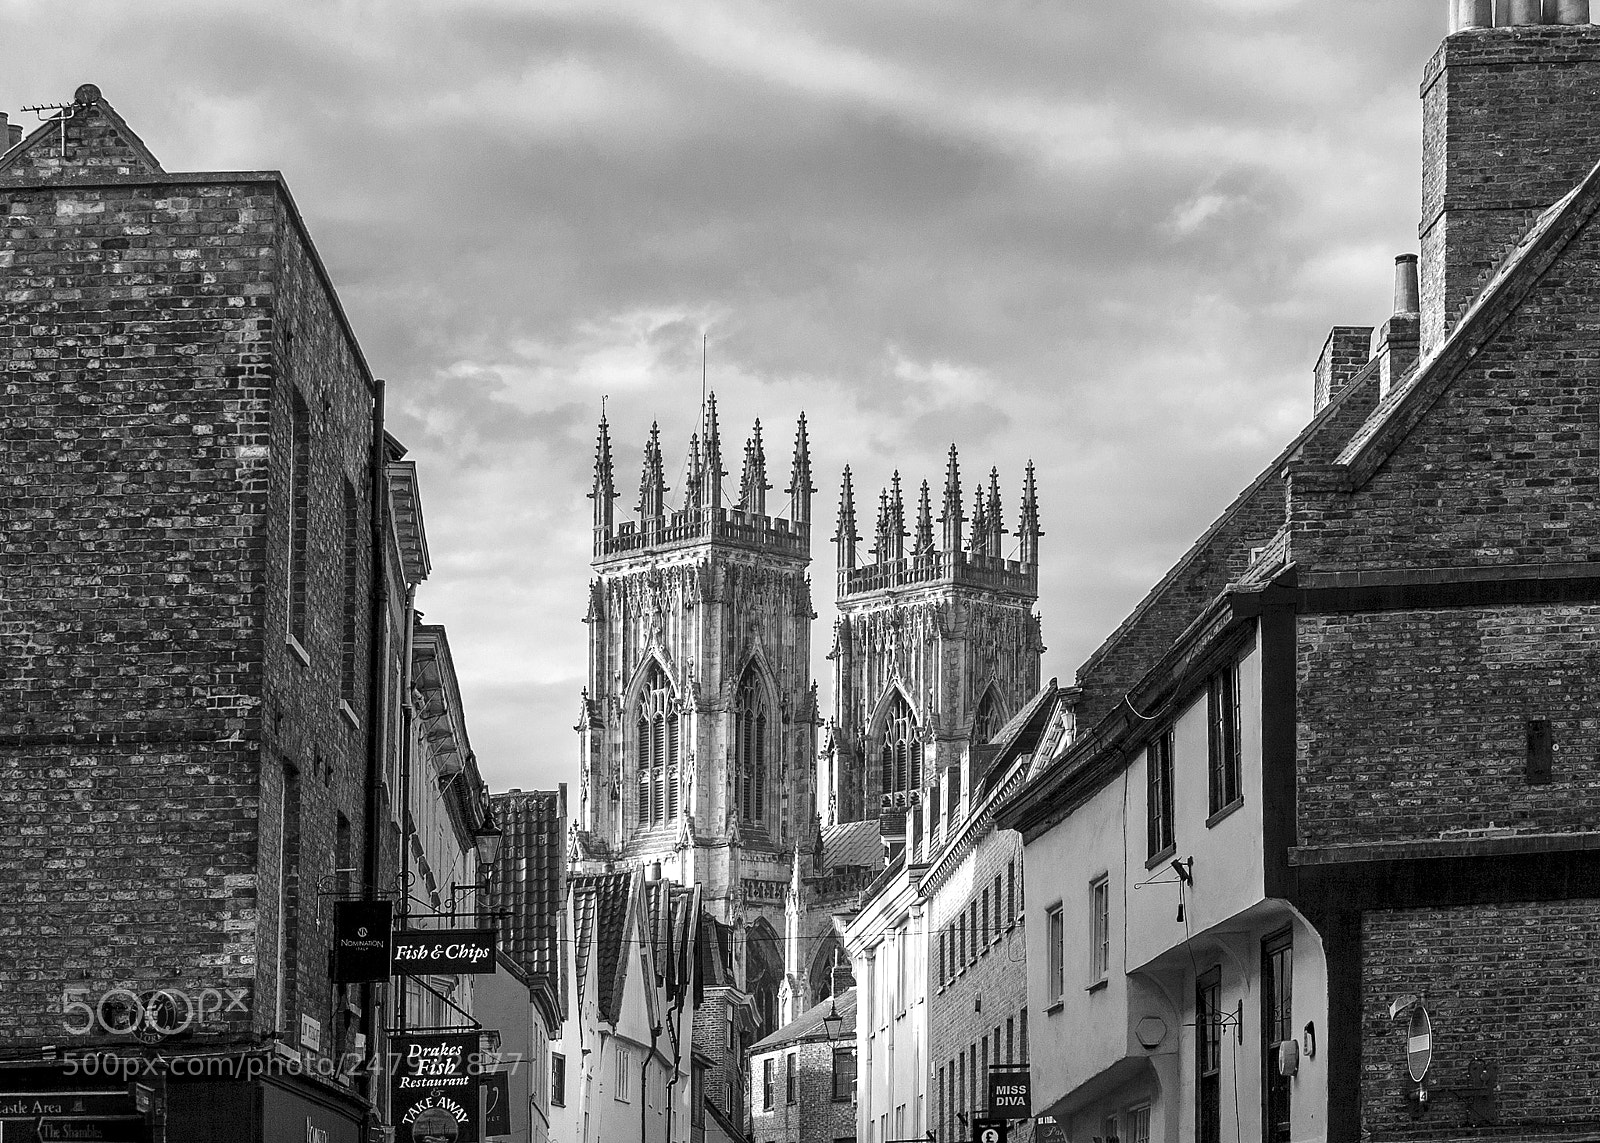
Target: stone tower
(698,725)
(936,646)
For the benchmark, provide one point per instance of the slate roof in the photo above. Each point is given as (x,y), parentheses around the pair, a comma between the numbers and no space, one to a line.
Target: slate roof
(672,911)
(808,1025)
(1021,734)
(528,882)
(852,843)
(600,905)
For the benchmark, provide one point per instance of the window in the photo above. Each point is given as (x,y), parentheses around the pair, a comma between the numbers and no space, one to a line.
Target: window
(972,1078)
(1112,1135)
(697,1096)
(998,923)
(1011,891)
(1277,1025)
(972,921)
(944,958)
(1099,930)
(900,749)
(1222,703)
(299,514)
(1138,1121)
(656,734)
(989,720)
(961,939)
(901,986)
(1011,1040)
(952,804)
(350,608)
(624,1074)
(1208,1057)
(1158,790)
(789,1085)
(983,1063)
(961,1084)
(1022,1036)
(733,1032)
(983,942)
(750,723)
(766,1084)
(844,1075)
(558,1079)
(1055,944)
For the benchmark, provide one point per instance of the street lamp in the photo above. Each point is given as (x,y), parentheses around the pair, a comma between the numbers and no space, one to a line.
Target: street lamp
(488,838)
(833,1023)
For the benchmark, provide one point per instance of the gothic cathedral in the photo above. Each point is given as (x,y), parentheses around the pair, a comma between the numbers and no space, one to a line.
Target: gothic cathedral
(699,727)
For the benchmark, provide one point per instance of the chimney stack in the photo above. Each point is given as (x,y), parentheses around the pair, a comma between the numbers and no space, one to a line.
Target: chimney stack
(1466,14)
(1515,13)
(1397,343)
(1344,354)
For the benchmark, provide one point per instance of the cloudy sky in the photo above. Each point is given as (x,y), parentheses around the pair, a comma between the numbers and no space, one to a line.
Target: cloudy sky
(1110,236)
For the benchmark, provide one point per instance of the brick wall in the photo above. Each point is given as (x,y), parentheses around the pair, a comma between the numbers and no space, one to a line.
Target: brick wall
(1510,125)
(149,708)
(814,1116)
(1514,985)
(995,974)
(1413,724)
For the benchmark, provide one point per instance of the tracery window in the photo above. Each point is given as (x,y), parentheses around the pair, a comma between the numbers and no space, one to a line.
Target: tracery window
(657,744)
(989,721)
(900,749)
(750,720)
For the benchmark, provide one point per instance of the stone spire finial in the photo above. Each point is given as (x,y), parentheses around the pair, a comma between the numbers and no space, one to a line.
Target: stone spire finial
(881,544)
(978,545)
(653,481)
(952,517)
(897,519)
(605,490)
(800,488)
(997,523)
(694,477)
(711,471)
(1028,531)
(753,486)
(923,543)
(845,537)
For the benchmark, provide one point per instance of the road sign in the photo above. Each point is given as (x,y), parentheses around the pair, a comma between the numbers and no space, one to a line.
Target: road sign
(1419,1044)
(989,1131)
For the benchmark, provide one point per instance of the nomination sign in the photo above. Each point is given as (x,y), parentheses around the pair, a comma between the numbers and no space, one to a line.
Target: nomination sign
(419,952)
(361,934)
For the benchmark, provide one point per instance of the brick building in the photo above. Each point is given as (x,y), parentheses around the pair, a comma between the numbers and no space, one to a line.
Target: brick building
(974,886)
(211,553)
(1338,764)
(804,1088)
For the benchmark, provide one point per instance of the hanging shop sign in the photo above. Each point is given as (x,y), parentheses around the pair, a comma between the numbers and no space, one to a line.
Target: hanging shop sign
(424,952)
(1010,1092)
(434,1089)
(497,1103)
(361,940)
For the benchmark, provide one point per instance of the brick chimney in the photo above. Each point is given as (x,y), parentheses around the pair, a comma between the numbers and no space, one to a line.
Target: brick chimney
(1511,122)
(1396,343)
(1345,353)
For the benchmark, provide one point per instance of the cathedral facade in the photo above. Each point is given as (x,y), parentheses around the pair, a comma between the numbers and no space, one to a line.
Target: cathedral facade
(704,755)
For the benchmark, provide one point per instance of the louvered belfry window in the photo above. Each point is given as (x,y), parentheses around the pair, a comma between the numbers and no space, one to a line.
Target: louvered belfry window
(900,750)
(656,733)
(750,745)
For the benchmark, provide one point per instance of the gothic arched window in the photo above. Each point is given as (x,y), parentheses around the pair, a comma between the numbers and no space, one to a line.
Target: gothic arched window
(656,730)
(900,749)
(750,721)
(989,721)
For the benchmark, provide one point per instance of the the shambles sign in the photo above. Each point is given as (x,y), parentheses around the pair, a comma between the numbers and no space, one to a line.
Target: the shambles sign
(424,952)
(435,1088)
(361,933)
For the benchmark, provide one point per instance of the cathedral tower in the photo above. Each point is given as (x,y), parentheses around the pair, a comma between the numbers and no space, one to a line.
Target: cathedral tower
(698,724)
(935,647)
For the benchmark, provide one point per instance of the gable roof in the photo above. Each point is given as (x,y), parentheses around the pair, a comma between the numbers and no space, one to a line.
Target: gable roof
(601,911)
(97,142)
(525,886)
(808,1025)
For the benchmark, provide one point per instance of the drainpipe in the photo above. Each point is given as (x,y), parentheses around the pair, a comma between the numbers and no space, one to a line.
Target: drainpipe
(644,1081)
(407,717)
(372,826)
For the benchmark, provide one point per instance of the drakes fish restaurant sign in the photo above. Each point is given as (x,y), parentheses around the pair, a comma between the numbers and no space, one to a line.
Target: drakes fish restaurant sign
(435,1092)
(423,953)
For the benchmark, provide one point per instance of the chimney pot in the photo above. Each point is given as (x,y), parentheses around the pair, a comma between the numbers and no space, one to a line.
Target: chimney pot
(1466,14)
(1566,11)
(13,136)
(1407,297)
(1517,13)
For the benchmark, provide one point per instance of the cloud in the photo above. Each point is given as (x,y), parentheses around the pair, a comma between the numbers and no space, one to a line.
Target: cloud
(1108,237)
